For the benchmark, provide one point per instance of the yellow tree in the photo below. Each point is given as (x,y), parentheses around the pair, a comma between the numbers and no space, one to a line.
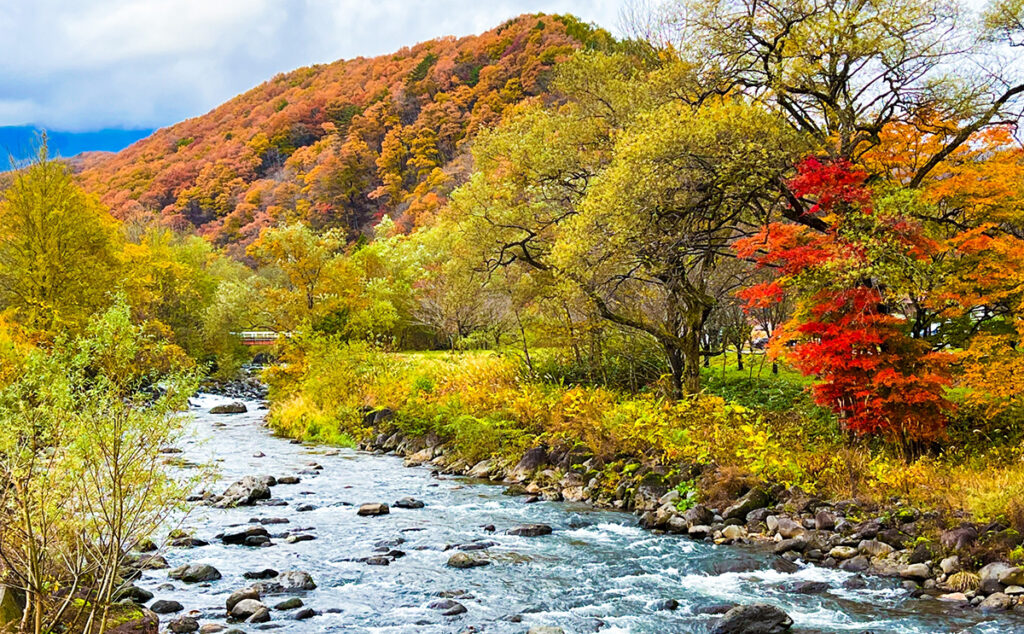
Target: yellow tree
(58,251)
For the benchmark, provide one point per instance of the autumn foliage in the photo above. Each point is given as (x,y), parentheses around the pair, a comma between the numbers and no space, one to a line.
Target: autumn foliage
(338,145)
(847,333)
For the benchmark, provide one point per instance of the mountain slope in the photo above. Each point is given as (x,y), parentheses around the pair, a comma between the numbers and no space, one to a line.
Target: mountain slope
(338,144)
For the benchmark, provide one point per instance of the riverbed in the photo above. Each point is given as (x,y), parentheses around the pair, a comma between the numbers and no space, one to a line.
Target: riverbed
(597,571)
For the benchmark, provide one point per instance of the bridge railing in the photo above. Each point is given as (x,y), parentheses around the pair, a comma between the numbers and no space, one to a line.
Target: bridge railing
(259,337)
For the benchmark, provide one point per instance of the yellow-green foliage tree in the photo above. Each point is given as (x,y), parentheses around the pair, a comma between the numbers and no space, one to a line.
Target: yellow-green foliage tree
(628,193)
(58,249)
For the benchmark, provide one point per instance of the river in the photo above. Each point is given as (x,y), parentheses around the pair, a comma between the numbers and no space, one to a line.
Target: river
(597,572)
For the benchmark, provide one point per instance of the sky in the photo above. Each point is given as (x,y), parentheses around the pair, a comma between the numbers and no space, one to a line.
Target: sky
(83,65)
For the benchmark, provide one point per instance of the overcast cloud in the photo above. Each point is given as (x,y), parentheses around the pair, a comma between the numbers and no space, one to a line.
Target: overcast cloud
(90,64)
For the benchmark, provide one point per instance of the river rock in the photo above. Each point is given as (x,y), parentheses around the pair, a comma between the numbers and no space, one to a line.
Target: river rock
(530,530)
(241,595)
(949,565)
(957,539)
(266,573)
(667,605)
(917,572)
(166,607)
(409,503)
(230,408)
(824,521)
(241,535)
(786,545)
(759,618)
(133,593)
(789,528)
(874,548)
(261,615)
(843,552)
(545,629)
(860,563)
(481,469)
(531,461)
(734,532)
(245,608)
(755,498)
(305,613)
(463,560)
(183,625)
(295,581)
(289,604)
(194,573)
(996,602)
(998,574)
(810,587)
(698,515)
(246,492)
(211,628)
(373,509)
(699,531)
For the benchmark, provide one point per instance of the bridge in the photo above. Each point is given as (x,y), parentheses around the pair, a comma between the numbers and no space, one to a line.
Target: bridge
(260,337)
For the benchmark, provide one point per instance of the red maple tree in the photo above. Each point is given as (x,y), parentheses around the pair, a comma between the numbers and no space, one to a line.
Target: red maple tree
(848,331)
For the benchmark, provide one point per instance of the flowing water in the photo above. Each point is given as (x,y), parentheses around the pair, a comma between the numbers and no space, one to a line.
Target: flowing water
(598,572)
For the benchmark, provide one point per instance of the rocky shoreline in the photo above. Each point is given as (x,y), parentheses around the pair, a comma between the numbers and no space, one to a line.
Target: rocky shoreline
(792,525)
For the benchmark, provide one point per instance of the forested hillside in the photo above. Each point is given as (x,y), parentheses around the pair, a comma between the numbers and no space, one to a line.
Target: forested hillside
(341,144)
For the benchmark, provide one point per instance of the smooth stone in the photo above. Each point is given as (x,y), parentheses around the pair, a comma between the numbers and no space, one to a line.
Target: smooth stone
(463,560)
(230,408)
(759,618)
(918,572)
(246,608)
(162,606)
(530,530)
(305,613)
(289,604)
(373,509)
(194,573)
(241,595)
(183,625)
(409,503)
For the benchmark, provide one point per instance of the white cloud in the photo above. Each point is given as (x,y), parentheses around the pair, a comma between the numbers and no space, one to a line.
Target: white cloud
(87,64)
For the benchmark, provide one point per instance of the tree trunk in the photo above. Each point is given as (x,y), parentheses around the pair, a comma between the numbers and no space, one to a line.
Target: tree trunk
(739,357)
(691,357)
(675,364)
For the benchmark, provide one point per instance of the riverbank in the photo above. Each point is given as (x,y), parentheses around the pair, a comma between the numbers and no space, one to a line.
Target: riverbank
(714,470)
(316,518)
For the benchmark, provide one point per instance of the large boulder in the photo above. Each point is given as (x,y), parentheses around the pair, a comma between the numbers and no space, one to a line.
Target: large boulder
(759,618)
(752,500)
(230,408)
(998,574)
(246,492)
(532,460)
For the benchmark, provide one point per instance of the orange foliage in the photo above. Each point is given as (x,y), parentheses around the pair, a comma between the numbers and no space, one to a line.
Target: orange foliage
(337,145)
